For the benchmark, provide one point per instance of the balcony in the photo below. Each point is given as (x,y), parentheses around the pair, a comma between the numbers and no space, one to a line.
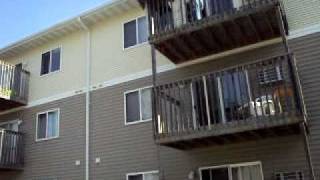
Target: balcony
(14,84)
(247,102)
(184,30)
(11,150)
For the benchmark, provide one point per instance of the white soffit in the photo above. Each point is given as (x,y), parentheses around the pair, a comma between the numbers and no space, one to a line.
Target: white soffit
(90,17)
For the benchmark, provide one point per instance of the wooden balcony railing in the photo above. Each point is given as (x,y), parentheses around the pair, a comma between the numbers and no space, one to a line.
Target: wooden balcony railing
(189,29)
(14,84)
(11,150)
(248,97)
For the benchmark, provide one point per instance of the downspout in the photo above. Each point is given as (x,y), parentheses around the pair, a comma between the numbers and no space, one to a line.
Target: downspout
(303,126)
(87,91)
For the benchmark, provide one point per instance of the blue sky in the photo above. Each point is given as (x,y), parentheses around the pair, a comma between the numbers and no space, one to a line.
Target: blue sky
(20,18)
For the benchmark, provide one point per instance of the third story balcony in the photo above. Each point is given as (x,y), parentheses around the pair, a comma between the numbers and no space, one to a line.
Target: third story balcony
(189,29)
(14,84)
(250,101)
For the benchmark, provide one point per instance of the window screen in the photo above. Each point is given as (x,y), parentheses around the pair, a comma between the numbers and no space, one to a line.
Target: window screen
(55,64)
(146,106)
(45,63)
(132,106)
(42,125)
(130,34)
(142,30)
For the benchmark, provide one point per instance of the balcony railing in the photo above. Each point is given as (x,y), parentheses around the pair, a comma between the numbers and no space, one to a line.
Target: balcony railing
(248,97)
(189,29)
(11,150)
(14,84)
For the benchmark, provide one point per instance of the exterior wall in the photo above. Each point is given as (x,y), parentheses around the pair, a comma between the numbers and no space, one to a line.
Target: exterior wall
(307,51)
(126,149)
(110,61)
(302,13)
(71,75)
(52,158)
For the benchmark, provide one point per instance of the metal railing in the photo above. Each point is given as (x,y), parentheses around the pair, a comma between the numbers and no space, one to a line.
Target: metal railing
(167,15)
(265,89)
(14,82)
(11,149)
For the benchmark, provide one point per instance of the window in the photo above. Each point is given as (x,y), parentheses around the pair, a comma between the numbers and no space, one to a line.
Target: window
(138,107)
(47,125)
(289,176)
(135,32)
(246,171)
(153,175)
(50,61)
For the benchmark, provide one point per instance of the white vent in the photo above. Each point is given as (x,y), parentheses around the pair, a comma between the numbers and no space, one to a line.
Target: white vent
(289,176)
(269,74)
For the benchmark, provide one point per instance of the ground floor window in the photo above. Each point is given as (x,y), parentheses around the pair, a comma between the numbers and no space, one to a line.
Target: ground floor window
(245,171)
(152,175)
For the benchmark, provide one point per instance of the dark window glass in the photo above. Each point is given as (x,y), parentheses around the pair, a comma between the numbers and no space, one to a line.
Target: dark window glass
(130,34)
(142,30)
(212,174)
(132,106)
(55,62)
(135,177)
(45,63)
(42,125)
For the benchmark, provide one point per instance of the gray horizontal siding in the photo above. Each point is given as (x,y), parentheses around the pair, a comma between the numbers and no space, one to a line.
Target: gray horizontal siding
(56,157)
(124,149)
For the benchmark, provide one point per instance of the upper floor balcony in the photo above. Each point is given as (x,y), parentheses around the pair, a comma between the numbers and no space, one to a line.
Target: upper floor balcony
(255,100)
(11,150)
(189,29)
(14,84)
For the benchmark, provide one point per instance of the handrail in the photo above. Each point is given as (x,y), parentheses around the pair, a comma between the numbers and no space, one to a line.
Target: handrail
(11,149)
(168,15)
(14,82)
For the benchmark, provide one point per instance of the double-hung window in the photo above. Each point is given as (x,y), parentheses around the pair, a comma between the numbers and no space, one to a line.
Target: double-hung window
(47,125)
(153,175)
(50,61)
(138,107)
(135,32)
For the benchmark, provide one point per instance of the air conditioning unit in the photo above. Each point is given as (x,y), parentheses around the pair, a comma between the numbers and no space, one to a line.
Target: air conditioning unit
(269,74)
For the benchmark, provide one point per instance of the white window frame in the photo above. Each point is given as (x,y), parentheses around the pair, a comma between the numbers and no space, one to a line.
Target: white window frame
(50,62)
(58,129)
(137,33)
(142,173)
(281,174)
(140,113)
(230,166)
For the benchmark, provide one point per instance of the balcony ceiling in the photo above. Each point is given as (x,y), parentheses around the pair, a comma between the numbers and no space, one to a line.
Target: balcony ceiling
(217,34)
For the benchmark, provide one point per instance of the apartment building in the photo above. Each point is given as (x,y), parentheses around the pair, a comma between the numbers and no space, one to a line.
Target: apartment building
(170,89)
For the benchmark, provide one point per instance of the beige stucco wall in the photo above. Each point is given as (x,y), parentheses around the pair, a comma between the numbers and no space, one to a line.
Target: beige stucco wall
(71,75)
(110,61)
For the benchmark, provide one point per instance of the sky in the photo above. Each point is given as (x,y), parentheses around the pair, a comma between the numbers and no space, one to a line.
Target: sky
(20,18)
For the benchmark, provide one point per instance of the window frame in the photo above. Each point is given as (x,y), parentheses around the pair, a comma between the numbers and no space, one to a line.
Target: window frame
(137,33)
(37,122)
(140,120)
(142,173)
(50,62)
(230,166)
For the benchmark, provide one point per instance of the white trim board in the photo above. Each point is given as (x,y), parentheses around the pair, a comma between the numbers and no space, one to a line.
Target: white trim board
(304,31)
